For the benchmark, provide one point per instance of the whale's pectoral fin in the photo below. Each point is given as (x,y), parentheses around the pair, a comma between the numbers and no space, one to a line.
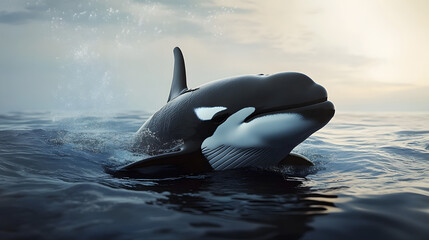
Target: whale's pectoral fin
(293,159)
(168,164)
(178,86)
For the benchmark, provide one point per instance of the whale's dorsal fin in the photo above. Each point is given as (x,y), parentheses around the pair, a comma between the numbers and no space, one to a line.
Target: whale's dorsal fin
(178,86)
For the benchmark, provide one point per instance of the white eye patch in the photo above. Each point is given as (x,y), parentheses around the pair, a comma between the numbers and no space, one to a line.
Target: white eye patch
(207,113)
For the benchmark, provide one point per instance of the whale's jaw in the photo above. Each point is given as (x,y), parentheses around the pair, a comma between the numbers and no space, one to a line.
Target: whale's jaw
(262,140)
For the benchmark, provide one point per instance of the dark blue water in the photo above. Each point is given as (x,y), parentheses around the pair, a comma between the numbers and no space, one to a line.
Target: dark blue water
(370,181)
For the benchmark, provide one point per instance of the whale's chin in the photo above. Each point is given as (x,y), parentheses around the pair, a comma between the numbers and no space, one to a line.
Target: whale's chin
(263,141)
(228,157)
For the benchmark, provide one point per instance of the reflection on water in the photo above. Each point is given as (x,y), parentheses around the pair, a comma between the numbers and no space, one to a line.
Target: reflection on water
(270,203)
(370,181)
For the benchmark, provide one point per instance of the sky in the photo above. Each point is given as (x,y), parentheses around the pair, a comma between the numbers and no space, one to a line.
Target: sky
(93,55)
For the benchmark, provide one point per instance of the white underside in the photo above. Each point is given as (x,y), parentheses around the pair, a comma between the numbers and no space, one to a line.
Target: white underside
(262,142)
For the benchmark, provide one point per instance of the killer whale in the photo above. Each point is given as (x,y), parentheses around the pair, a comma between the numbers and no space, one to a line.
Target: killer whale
(252,120)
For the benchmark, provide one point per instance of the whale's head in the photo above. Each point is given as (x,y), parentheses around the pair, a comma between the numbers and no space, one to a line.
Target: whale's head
(258,120)
(253,120)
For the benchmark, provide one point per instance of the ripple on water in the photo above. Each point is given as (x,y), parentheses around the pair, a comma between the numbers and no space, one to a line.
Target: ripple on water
(370,180)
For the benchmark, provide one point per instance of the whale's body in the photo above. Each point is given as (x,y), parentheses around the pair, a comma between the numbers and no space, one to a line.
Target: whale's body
(253,120)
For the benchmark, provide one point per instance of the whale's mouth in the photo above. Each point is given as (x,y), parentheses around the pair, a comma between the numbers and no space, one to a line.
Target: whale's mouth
(319,108)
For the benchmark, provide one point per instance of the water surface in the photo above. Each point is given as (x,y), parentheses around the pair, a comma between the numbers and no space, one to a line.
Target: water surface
(370,180)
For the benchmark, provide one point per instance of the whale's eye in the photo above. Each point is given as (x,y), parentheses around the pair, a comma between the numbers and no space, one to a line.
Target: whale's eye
(220,117)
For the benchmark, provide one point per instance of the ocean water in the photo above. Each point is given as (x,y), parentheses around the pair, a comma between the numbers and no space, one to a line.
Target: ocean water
(370,181)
